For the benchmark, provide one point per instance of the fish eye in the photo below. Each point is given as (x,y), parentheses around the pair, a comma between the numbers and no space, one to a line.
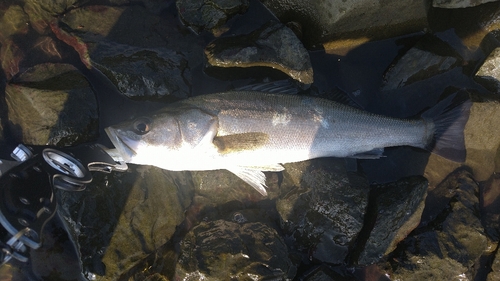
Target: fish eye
(142,125)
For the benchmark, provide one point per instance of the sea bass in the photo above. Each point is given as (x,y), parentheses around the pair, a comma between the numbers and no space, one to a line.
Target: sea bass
(247,132)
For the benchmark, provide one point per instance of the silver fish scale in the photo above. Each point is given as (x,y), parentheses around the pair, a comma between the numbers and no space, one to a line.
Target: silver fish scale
(308,126)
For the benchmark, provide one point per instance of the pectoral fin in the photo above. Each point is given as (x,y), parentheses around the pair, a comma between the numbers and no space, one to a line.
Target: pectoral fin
(255,178)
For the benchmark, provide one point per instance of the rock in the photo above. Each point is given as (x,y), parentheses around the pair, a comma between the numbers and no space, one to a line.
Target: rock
(489,73)
(416,65)
(52,104)
(57,258)
(456,4)
(209,15)
(225,250)
(452,244)
(11,56)
(490,206)
(94,24)
(155,7)
(150,59)
(329,20)
(273,45)
(144,73)
(42,13)
(432,267)
(482,143)
(397,210)
(323,273)
(495,268)
(84,20)
(221,186)
(13,21)
(322,209)
(125,217)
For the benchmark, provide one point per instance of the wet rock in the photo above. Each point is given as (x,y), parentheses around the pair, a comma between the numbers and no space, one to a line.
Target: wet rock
(42,13)
(125,217)
(455,4)
(432,267)
(417,64)
(273,45)
(323,21)
(84,19)
(489,73)
(220,187)
(322,209)
(150,59)
(225,250)
(57,258)
(10,55)
(482,143)
(397,208)
(144,73)
(490,206)
(495,268)
(451,245)
(13,21)
(209,15)
(94,24)
(155,7)
(52,104)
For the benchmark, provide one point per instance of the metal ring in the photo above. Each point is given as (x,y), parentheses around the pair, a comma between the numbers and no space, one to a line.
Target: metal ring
(64,163)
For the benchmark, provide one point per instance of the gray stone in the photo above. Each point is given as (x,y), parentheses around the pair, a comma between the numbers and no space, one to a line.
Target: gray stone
(323,21)
(432,267)
(490,206)
(95,23)
(416,65)
(489,73)
(450,246)
(52,104)
(398,208)
(225,250)
(13,21)
(42,13)
(495,268)
(144,73)
(273,45)
(455,4)
(125,217)
(322,208)
(149,59)
(221,186)
(209,15)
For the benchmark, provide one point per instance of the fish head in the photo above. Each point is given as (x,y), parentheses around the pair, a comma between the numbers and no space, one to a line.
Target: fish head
(145,137)
(163,138)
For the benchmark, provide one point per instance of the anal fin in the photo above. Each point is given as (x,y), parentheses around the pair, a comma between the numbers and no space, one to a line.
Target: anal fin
(254,178)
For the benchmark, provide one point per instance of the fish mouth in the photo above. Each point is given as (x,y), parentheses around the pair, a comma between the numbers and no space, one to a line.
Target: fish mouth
(123,148)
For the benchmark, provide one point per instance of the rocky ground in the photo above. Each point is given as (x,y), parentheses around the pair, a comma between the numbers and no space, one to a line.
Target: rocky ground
(71,67)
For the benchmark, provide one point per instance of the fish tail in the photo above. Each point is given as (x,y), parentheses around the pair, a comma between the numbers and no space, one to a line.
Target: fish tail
(449,117)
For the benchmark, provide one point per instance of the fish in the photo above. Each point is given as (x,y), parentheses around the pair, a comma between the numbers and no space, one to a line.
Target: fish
(248,132)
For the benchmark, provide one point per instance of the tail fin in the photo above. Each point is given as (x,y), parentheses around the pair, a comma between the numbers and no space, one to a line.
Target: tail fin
(449,116)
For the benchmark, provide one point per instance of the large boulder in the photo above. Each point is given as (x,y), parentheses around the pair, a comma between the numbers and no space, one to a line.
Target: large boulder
(273,45)
(128,216)
(52,104)
(324,21)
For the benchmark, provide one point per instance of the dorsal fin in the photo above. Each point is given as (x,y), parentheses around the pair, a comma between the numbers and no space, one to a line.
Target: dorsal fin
(277,87)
